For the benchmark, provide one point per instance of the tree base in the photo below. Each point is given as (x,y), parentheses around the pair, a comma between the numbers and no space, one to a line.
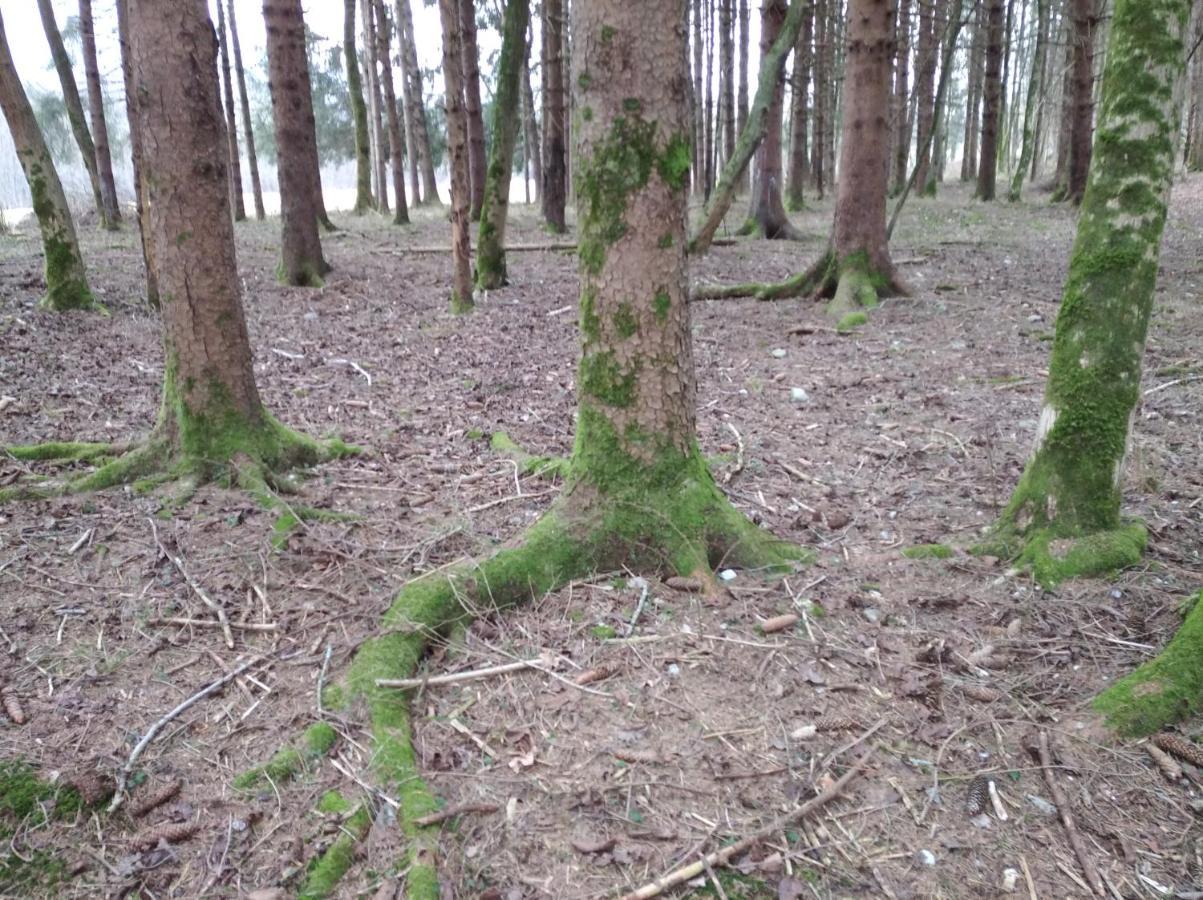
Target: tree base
(1053,559)
(1164,690)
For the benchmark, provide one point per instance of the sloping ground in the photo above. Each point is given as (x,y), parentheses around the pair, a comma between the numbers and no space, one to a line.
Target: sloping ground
(909,432)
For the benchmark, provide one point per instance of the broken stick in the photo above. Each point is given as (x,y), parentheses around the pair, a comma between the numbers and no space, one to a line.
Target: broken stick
(1067,818)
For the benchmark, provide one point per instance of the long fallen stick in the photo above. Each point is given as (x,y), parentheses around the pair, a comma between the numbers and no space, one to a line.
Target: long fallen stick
(723,856)
(457,677)
(1067,818)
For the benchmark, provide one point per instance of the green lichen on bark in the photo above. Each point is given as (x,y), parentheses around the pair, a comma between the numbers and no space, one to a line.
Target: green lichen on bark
(66,280)
(1166,689)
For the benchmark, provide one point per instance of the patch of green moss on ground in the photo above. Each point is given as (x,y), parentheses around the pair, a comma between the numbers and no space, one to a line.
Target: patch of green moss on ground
(333,803)
(316,741)
(929,551)
(851,322)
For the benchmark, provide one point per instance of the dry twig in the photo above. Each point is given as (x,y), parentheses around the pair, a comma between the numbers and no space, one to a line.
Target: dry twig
(1067,819)
(196,588)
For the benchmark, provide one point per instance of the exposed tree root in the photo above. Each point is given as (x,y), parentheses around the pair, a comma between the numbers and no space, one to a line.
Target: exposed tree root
(1053,559)
(326,871)
(550,467)
(804,284)
(316,742)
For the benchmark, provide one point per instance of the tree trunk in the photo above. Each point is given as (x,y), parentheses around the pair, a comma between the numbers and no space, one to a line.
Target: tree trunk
(1066,119)
(75,107)
(1194,151)
(490,251)
(973,99)
(902,120)
(136,154)
(100,130)
(231,127)
(800,88)
(66,280)
(992,99)
(473,107)
(396,136)
(835,68)
(741,99)
(698,150)
(554,194)
(371,56)
(1033,98)
(248,132)
(457,152)
(301,259)
(726,55)
(822,77)
(415,108)
(925,86)
(708,118)
(1085,13)
(1064,518)
(1023,51)
(768,209)
(359,111)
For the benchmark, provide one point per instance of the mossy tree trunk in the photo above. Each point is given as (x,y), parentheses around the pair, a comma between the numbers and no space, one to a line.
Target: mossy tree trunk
(237,203)
(66,280)
(396,135)
(72,101)
(555,187)
(1035,80)
(726,65)
(823,35)
(248,131)
(987,168)
(457,152)
(136,153)
(799,112)
(473,108)
(490,251)
(1064,517)
(415,109)
(100,128)
(301,259)
(902,121)
(359,111)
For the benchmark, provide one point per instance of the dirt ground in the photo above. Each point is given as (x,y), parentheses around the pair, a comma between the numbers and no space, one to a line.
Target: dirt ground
(911,431)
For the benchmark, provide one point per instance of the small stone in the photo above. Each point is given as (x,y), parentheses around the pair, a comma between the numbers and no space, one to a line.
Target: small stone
(727,575)
(778,353)
(798,395)
(1010,877)
(1042,806)
(925,858)
(871,614)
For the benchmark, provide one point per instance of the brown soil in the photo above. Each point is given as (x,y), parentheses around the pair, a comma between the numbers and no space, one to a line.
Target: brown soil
(911,431)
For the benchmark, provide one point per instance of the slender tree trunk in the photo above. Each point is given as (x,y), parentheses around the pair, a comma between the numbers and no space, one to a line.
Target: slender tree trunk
(301,259)
(248,132)
(992,101)
(835,66)
(800,109)
(231,126)
(100,130)
(359,112)
(554,194)
(768,210)
(136,153)
(533,148)
(1194,152)
(973,99)
(490,251)
(726,28)
(396,136)
(476,122)
(902,121)
(66,280)
(925,85)
(822,76)
(1085,13)
(75,107)
(1064,518)
(376,106)
(457,151)
(415,107)
(1066,119)
(741,99)
(1022,54)
(709,100)
(698,150)
(1033,98)
(569,99)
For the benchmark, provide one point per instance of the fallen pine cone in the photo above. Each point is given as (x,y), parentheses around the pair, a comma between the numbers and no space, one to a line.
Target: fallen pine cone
(1170,769)
(171,832)
(975,798)
(835,723)
(981,693)
(12,706)
(687,585)
(92,786)
(155,799)
(1179,747)
(591,675)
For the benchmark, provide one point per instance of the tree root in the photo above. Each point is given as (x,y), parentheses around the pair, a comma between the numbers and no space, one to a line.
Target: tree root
(289,762)
(1164,690)
(1052,559)
(326,871)
(549,467)
(808,283)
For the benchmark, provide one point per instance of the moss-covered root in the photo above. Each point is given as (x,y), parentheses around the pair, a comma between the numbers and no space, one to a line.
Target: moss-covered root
(549,467)
(62,451)
(805,284)
(328,869)
(1052,559)
(1164,690)
(134,465)
(289,762)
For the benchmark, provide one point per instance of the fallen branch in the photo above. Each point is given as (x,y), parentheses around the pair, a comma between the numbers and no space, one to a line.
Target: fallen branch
(726,854)
(1067,819)
(457,677)
(178,562)
(452,811)
(153,731)
(550,246)
(739,455)
(206,623)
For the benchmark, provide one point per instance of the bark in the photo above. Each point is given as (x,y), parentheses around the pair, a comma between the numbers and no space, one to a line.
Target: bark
(925,86)
(800,88)
(726,55)
(248,132)
(473,107)
(973,99)
(75,107)
(822,77)
(1064,518)
(1065,121)
(301,259)
(992,100)
(834,60)
(1085,20)
(768,208)
(555,187)
(490,255)
(708,117)
(741,99)
(376,106)
(1023,52)
(902,121)
(231,124)
(359,111)
(136,154)
(1034,90)
(100,130)
(698,150)
(530,141)
(66,280)
(1194,147)
(457,151)
(396,137)
(415,112)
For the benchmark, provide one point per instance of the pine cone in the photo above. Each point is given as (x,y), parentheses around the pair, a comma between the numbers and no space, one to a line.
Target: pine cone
(92,786)
(835,723)
(1180,747)
(980,693)
(171,832)
(12,706)
(975,799)
(155,799)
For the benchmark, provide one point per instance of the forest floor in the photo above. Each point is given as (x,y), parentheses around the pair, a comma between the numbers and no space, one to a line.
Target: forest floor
(910,431)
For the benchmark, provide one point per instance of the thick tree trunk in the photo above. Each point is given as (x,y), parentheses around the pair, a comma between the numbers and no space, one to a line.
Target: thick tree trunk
(396,136)
(359,112)
(490,251)
(66,280)
(377,110)
(136,153)
(415,107)
(741,100)
(473,106)
(799,169)
(231,127)
(1194,147)
(555,188)
(301,259)
(530,139)
(100,130)
(1033,98)
(991,101)
(925,86)
(902,120)
(768,208)
(457,151)
(1085,20)
(822,77)
(248,131)
(75,107)
(1064,518)
(973,98)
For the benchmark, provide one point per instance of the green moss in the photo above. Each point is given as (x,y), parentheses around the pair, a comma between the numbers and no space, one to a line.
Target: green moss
(528,463)
(1053,560)
(666,240)
(607,34)
(604,379)
(851,322)
(602,632)
(584,81)
(38,874)
(624,321)
(26,799)
(58,450)
(928,551)
(587,113)
(661,304)
(333,803)
(316,741)
(461,305)
(329,868)
(1165,690)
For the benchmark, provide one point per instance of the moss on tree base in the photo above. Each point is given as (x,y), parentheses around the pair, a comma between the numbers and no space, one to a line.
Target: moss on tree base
(1053,559)
(550,467)
(1164,690)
